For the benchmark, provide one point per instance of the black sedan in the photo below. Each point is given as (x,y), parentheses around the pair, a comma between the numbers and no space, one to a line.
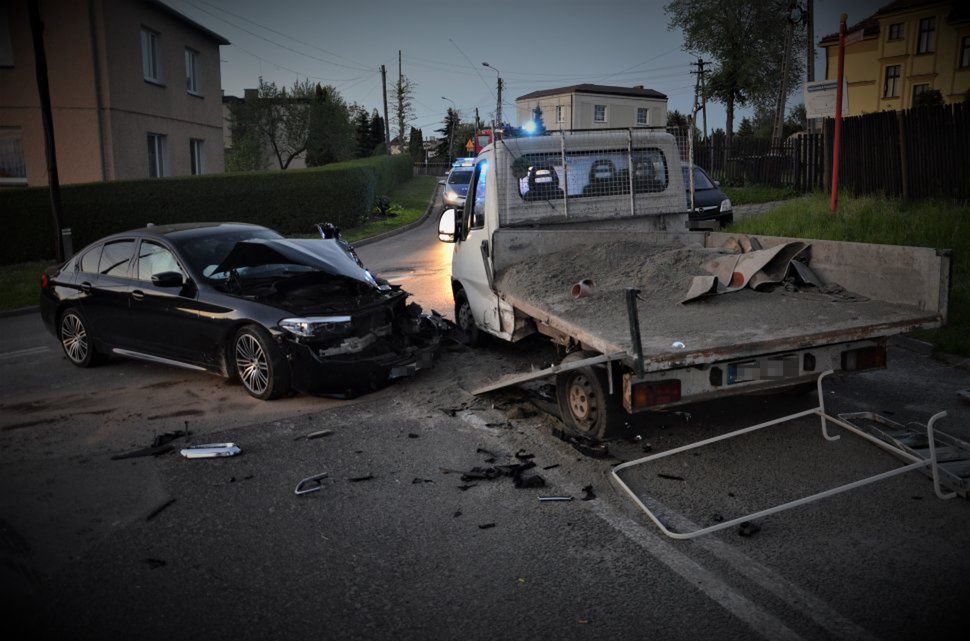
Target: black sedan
(240,301)
(712,207)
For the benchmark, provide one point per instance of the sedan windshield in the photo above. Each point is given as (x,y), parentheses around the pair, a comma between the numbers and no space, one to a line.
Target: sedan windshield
(205,253)
(701,181)
(460,177)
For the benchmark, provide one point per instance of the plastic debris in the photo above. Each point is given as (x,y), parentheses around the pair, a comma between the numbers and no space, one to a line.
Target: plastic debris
(210,450)
(678,345)
(748,529)
(554,499)
(301,489)
(486,526)
(670,477)
(358,479)
(588,494)
(160,445)
(158,510)
(318,434)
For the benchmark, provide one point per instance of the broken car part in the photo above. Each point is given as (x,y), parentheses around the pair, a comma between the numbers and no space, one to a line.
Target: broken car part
(916,463)
(211,450)
(301,487)
(554,499)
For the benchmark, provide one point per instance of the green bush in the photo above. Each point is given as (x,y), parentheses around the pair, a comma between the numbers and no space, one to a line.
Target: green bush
(288,201)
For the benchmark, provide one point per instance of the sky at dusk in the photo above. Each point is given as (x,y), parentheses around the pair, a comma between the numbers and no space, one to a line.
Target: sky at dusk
(537,44)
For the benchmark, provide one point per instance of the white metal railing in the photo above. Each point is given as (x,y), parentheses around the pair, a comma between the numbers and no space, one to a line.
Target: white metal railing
(915,464)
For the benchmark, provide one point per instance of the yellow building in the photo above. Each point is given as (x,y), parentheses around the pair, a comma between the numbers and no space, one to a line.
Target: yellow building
(906,47)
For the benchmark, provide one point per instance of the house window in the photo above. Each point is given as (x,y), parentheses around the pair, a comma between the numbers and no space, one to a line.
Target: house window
(149,56)
(920,88)
(191,70)
(927,33)
(13,170)
(157,165)
(599,113)
(197,151)
(965,52)
(6,45)
(890,88)
(643,115)
(559,113)
(896,31)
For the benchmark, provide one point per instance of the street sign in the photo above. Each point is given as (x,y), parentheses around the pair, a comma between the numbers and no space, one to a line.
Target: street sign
(469,146)
(820,99)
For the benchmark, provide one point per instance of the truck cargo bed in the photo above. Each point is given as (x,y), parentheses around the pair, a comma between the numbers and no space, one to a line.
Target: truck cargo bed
(718,328)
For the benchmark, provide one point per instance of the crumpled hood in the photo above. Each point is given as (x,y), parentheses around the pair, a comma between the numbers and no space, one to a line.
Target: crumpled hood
(325,255)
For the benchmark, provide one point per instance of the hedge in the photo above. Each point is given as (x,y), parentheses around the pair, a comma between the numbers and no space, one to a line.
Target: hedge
(288,201)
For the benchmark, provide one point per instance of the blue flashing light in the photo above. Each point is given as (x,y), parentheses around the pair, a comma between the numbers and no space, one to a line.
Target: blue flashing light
(529,127)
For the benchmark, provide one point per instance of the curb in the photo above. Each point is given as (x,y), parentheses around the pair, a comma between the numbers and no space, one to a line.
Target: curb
(400,230)
(19,311)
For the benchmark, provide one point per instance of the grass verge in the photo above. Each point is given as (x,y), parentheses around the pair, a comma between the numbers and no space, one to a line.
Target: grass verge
(410,200)
(754,194)
(20,283)
(940,224)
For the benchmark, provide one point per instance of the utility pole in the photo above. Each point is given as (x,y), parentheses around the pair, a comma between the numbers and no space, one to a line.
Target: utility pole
(47,119)
(700,91)
(777,130)
(498,107)
(478,122)
(810,63)
(400,101)
(837,138)
(387,123)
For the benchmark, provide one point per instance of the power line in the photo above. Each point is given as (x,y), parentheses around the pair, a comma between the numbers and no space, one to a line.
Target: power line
(473,67)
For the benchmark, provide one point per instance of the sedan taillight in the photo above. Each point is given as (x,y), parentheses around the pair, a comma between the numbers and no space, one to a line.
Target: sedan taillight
(44,281)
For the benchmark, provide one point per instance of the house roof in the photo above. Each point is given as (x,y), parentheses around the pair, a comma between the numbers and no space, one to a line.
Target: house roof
(607,90)
(184,19)
(959,12)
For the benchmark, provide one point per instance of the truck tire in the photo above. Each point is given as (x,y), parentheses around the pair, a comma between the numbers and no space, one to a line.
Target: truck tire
(465,319)
(588,409)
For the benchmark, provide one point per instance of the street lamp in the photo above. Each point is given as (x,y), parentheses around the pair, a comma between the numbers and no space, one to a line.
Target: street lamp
(498,100)
(451,136)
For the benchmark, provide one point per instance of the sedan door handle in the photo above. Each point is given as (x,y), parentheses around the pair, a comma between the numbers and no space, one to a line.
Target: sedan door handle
(137,294)
(86,287)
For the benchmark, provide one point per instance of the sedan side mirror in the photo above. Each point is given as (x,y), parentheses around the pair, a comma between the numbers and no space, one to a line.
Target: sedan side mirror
(448,226)
(717,183)
(167,279)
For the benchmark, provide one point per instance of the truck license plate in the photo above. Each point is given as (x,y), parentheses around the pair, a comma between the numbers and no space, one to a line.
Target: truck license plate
(765,369)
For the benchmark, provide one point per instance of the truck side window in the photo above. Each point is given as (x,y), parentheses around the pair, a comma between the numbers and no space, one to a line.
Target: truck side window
(478,211)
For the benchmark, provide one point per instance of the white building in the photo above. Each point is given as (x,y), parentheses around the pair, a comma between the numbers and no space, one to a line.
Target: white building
(589,106)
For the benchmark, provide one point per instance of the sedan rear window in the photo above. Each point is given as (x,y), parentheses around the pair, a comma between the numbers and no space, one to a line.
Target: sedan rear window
(460,177)
(116,257)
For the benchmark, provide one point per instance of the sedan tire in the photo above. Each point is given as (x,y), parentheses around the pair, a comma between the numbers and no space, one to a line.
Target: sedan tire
(77,342)
(259,363)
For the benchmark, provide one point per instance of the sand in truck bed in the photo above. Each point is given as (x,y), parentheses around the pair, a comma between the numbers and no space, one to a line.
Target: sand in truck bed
(663,274)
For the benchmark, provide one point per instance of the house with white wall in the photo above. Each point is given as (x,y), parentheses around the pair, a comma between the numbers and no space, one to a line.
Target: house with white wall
(589,106)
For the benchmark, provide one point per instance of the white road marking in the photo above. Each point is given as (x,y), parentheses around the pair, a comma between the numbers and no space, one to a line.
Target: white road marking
(30,351)
(763,622)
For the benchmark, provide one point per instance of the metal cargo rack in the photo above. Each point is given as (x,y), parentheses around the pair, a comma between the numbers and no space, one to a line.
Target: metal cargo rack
(921,455)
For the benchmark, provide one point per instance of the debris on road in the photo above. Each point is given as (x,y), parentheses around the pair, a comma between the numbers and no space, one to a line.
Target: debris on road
(748,529)
(418,481)
(670,477)
(554,499)
(155,563)
(551,467)
(588,493)
(469,486)
(486,526)
(515,471)
(300,489)
(158,510)
(582,445)
(160,445)
(456,514)
(358,479)
(522,455)
(210,450)
(413,435)
(313,435)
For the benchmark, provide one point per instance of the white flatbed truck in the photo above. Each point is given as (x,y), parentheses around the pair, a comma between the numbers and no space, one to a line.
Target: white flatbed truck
(545,212)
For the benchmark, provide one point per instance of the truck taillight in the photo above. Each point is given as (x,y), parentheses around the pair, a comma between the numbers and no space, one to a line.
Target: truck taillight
(874,357)
(650,394)
(44,281)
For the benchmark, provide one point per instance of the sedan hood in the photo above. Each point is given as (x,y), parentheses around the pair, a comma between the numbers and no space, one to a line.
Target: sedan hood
(325,255)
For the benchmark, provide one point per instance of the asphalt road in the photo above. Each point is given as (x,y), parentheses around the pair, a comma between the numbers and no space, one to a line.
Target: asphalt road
(413,552)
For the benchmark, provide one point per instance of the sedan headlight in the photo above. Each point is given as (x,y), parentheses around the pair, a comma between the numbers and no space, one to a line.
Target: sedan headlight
(316,325)
(451,196)
(726,205)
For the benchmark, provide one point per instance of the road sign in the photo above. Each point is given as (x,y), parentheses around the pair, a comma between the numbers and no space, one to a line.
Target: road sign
(820,99)
(470,146)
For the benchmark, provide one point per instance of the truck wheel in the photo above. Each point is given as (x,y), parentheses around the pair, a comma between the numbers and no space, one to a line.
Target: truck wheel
(465,320)
(587,408)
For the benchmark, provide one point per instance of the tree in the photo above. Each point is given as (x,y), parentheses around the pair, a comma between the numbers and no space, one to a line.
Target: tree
(796,120)
(277,118)
(247,152)
(745,129)
(537,119)
(928,98)
(331,135)
(376,131)
(446,145)
(403,107)
(362,135)
(676,119)
(745,38)
(416,145)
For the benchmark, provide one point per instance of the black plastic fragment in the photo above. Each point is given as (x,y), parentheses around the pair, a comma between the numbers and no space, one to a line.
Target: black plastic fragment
(748,529)
(158,510)
(486,526)
(588,493)
(358,479)
(670,477)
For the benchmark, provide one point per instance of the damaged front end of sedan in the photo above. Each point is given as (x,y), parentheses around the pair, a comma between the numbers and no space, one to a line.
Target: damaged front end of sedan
(342,331)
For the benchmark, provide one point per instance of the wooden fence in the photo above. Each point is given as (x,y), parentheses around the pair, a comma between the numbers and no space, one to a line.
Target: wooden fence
(919,153)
